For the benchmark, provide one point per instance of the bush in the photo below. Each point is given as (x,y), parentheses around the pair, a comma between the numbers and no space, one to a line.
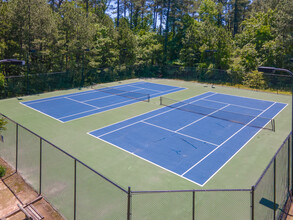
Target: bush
(2,171)
(254,80)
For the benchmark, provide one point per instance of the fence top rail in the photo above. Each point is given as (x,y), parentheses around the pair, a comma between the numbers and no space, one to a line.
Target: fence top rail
(272,160)
(192,190)
(36,74)
(69,155)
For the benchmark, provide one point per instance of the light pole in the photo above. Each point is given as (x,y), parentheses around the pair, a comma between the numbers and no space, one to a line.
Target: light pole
(266,69)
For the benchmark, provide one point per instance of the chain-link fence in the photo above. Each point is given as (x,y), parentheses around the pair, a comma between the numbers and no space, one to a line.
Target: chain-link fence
(272,192)
(79,192)
(45,82)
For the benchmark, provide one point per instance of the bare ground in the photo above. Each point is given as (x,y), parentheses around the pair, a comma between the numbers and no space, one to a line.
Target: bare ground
(8,201)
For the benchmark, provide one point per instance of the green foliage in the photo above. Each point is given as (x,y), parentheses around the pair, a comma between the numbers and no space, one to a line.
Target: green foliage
(257,30)
(105,52)
(2,171)
(3,122)
(190,53)
(249,57)
(2,81)
(78,36)
(127,44)
(254,80)
(149,49)
(208,11)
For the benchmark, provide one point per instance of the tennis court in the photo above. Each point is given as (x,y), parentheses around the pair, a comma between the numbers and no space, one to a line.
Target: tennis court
(193,139)
(100,99)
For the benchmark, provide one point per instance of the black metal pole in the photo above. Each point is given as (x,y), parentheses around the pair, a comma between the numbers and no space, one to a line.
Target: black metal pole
(74,204)
(193,205)
(252,203)
(275,189)
(291,138)
(289,159)
(129,204)
(40,180)
(16,149)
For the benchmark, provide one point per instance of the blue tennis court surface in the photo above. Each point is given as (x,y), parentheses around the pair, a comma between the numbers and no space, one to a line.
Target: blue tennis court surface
(193,146)
(77,105)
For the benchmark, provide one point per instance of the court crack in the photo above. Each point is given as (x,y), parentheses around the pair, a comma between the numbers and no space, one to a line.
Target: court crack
(188,143)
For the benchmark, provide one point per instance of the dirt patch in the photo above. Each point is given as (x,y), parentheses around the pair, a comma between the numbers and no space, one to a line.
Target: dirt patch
(21,194)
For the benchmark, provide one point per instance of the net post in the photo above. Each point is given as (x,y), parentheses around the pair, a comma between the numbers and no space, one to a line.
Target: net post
(74,202)
(149,97)
(16,152)
(273,125)
(129,204)
(252,202)
(40,180)
(193,205)
(161,100)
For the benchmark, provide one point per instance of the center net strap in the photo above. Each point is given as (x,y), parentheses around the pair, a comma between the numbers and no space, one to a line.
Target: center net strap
(127,94)
(248,120)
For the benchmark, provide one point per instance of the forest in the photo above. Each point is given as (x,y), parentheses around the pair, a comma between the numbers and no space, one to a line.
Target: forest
(223,39)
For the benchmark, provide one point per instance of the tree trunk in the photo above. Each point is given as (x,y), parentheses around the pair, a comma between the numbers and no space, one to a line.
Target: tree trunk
(118,8)
(131,13)
(167,31)
(235,20)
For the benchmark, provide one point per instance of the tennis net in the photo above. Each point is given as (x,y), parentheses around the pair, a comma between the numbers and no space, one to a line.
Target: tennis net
(127,94)
(247,120)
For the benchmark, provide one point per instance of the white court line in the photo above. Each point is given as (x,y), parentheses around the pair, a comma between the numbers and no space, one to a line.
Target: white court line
(112,94)
(143,114)
(243,146)
(235,105)
(41,112)
(101,108)
(70,95)
(157,165)
(165,168)
(142,119)
(118,108)
(203,117)
(179,133)
(81,102)
(256,99)
(85,93)
(146,88)
(117,103)
(227,140)
(43,100)
(168,91)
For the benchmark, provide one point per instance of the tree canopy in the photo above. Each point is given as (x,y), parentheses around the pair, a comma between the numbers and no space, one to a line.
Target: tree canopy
(60,35)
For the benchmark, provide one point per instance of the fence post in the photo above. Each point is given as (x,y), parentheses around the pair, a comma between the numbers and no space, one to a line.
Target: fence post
(252,202)
(16,146)
(275,188)
(289,142)
(74,202)
(291,146)
(193,205)
(40,183)
(129,204)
